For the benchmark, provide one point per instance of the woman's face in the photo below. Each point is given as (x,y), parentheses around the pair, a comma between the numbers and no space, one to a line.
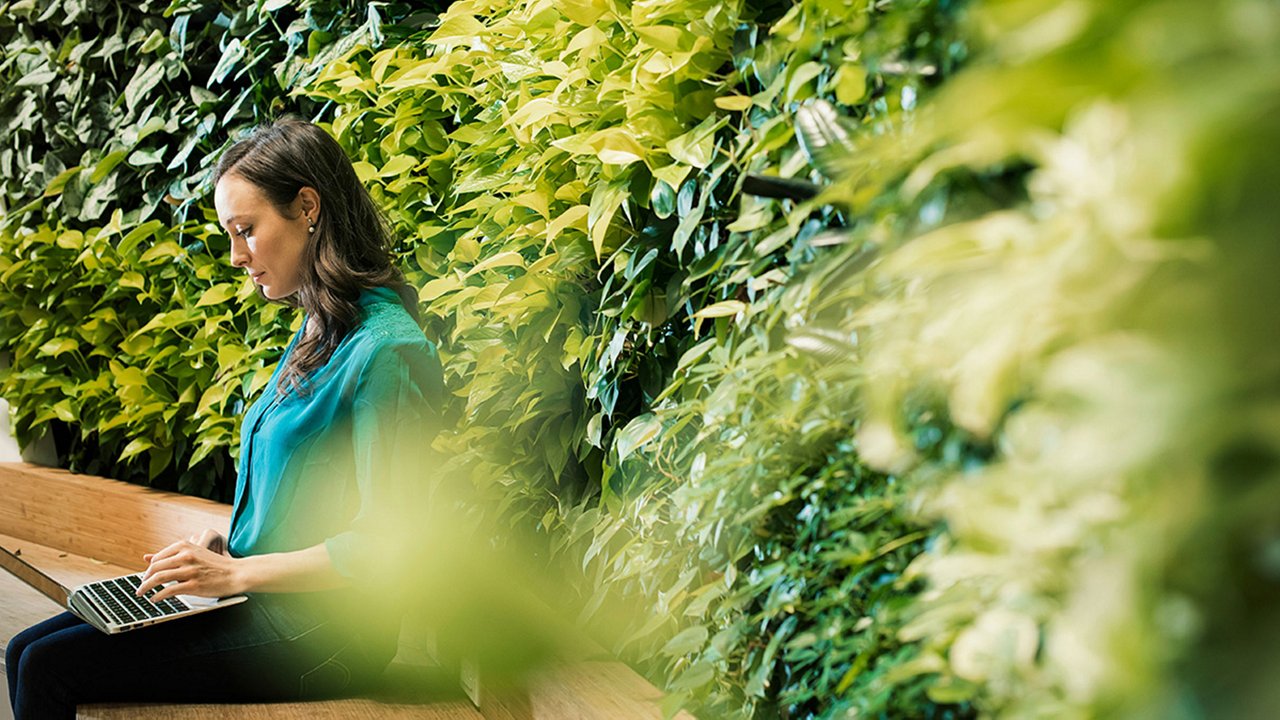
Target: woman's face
(268,245)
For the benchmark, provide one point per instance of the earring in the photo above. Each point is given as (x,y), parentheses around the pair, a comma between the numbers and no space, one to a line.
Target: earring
(311,227)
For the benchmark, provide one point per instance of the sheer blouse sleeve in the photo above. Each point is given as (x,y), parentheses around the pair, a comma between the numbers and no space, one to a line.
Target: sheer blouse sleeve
(395,418)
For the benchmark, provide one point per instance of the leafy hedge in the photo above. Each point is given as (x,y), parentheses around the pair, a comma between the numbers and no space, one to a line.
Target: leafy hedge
(115,286)
(985,427)
(566,190)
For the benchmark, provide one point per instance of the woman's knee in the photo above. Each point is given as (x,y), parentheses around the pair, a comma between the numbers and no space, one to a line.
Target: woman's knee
(17,647)
(12,653)
(39,664)
(57,662)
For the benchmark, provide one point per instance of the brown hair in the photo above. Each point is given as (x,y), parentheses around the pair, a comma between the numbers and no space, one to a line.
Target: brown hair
(350,250)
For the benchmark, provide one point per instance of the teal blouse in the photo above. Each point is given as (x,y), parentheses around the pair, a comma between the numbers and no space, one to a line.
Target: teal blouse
(335,461)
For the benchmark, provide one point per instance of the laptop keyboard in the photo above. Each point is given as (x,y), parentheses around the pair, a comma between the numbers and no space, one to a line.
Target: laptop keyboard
(116,595)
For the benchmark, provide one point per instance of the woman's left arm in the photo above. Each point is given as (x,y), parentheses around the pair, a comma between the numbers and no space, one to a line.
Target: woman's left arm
(195,570)
(394,421)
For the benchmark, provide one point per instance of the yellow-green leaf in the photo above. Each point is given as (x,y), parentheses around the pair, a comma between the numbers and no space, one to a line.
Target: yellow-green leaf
(800,79)
(60,181)
(733,102)
(65,411)
(636,434)
(851,83)
(230,355)
(438,287)
(132,279)
(615,146)
(161,250)
(503,259)
(398,165)
(137,345)
(71,240)
(673,174)
(58,346)
(457,27)
(697,147)
(535,201)
(666,38)
(217,295)
(211,396)
(573,217)
(136,446)
(721,309)
(365,171)
(106,165)
(582,12)
(130,377)
(686,641)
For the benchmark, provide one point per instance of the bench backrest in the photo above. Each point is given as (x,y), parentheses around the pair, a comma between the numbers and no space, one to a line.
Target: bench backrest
(112,521)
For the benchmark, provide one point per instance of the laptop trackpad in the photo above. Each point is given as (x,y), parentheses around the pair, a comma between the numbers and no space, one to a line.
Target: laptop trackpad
(195,601)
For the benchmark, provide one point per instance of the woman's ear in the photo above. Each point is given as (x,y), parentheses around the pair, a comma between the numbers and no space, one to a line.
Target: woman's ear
(309,202)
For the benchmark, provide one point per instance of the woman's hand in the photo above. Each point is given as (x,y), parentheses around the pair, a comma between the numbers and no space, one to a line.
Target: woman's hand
(193,568)
(211,539)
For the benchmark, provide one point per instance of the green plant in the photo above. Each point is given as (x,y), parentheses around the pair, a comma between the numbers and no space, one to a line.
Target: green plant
(532,168)
(576,237)
(126,334)
(1065,295)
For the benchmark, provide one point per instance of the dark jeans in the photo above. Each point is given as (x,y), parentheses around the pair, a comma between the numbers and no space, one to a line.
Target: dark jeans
(258,651)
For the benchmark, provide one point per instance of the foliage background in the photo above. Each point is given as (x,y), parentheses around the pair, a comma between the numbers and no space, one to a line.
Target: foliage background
(987,427)
(118,310)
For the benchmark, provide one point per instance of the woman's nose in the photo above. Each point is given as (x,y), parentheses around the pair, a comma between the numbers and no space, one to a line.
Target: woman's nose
(239,252)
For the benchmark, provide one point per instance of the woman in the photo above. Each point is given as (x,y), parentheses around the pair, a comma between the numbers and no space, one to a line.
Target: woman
(329,468)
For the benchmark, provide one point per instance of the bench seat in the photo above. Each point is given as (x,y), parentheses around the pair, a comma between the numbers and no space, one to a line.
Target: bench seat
(59,530)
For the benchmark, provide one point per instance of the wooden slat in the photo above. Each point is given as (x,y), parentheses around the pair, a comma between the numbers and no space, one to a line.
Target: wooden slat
(586,683)
(113,521)
(53,571)
(357,709)
(406,691)
(584,690)
(33,576)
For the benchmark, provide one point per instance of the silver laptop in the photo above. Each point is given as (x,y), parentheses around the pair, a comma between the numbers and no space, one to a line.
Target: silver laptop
(111,605)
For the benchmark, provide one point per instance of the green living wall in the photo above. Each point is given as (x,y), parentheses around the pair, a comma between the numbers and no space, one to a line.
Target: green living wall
(890,359)
(118,312)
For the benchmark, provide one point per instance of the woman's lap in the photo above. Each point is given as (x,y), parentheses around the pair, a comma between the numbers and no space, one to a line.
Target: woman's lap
(242,653)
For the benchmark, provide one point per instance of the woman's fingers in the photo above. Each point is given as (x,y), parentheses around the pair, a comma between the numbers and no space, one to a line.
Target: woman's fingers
(166,557)
(167,551)
(169,563)
(189,569)
(178,588)
(209,539)
(180,575)
(213,540)
(175,556)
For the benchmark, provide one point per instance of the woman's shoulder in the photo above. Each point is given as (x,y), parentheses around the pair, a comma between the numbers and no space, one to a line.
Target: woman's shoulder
(384,321)
(389,336)
(388,324)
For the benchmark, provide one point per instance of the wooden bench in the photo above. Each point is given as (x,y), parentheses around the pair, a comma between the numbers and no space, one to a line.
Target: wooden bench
(59,530)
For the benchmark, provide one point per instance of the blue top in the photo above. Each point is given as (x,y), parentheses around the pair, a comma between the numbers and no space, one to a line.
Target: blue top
(334,461)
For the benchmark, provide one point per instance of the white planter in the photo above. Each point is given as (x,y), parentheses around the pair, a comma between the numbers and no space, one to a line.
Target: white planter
(40,452)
